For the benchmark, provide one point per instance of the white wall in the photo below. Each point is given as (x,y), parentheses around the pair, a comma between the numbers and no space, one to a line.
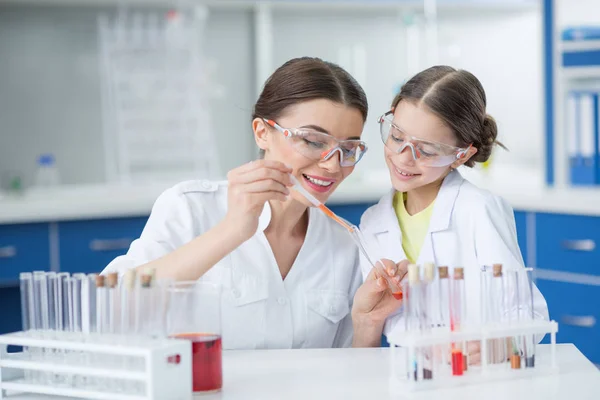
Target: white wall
(505,53)
(577,12)
(504,50)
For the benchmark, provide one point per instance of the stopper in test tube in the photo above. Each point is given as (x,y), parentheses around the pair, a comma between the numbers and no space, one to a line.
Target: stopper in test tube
(112,279)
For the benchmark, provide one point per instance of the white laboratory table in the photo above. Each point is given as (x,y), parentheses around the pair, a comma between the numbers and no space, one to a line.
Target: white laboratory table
(362,374)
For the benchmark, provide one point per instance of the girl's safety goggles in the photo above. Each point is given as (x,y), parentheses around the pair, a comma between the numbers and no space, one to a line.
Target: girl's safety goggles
(320,146)
(424,152)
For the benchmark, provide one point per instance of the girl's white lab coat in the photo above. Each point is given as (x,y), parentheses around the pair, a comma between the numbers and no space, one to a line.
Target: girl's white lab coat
(310,308)
(469,227)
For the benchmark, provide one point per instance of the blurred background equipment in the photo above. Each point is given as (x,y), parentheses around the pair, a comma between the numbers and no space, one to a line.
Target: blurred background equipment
(157,124)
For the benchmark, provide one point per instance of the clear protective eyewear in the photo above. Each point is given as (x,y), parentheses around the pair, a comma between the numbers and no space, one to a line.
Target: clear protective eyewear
(321,146)
(424,152)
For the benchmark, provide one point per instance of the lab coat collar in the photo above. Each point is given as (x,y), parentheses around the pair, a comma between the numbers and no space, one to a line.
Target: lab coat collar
(444,203)
(442,209)
(265,217)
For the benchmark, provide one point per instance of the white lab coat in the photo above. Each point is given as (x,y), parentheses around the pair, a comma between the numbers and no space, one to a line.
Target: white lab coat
(309,309)
(469,227)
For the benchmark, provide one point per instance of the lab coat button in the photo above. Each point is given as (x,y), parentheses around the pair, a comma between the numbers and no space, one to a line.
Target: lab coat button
(332,309)
(281,300)
(208,185)
(236,293)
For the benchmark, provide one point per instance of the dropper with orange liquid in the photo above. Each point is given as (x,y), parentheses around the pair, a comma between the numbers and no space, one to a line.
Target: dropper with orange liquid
(355,233)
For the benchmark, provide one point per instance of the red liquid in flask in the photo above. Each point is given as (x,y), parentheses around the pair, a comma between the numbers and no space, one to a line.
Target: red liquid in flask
(397,295)
(207,370)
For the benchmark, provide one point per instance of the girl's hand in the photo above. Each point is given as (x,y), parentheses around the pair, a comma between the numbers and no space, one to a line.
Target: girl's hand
(373,301)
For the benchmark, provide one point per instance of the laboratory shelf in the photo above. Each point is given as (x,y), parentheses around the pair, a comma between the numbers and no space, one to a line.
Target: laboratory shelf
(361,5)
(587,72)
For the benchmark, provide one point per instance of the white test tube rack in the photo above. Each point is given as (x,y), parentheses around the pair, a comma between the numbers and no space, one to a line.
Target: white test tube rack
(408,344)
(163,366)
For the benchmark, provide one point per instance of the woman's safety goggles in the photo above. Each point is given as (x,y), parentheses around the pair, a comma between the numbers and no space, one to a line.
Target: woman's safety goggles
(320,146)
(424,152)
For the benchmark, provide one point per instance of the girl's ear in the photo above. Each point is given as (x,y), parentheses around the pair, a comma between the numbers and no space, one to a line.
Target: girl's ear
(464,156)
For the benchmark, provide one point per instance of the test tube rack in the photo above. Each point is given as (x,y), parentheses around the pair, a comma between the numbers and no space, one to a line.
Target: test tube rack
(405,347)
(160,368)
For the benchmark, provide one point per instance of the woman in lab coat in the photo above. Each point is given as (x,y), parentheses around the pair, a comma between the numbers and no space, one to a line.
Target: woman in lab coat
(437,123)
(288,273)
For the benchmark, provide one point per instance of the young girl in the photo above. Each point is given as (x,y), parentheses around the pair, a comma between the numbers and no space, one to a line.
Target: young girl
(437,123)
(288,273)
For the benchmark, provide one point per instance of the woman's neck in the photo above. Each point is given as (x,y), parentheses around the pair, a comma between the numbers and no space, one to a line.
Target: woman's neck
(288,218)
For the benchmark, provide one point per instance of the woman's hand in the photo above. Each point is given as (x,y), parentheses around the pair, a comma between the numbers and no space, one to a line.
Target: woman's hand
(374,302)
(250,187)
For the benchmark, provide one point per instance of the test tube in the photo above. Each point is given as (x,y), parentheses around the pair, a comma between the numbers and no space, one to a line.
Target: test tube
(25,281)
(143,315)
(530,346)
(444,304)
(89,320)
(90,326)
(127,298)
(40,302)
(143,301)
(101,296)
(52,329)
(459,360)
(112,280)
(51,286)
(497,308)
(513,308)
(127,323)
(78,312)
(60,300)
(160,291)
(413,316)
(427,316)
(443,297)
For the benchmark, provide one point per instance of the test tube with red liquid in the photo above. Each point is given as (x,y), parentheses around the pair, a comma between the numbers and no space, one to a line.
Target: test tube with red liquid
(457,315)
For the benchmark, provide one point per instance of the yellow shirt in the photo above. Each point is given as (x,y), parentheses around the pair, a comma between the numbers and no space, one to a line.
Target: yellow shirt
(413,227)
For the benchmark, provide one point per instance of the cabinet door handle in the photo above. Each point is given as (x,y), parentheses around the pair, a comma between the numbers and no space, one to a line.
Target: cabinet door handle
(579,245)
(585,321)
(110,244)
(8,252)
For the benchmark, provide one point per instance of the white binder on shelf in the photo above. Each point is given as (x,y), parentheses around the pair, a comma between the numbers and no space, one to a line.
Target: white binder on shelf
(582,134)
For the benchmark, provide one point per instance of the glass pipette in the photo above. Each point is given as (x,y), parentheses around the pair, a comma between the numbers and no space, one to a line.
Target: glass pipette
(355,233)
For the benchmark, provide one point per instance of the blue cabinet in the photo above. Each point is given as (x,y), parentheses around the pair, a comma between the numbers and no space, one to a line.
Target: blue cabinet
(88,246)
(81,246)
(23,248)
(566,252)
(568,243)
(576,308)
